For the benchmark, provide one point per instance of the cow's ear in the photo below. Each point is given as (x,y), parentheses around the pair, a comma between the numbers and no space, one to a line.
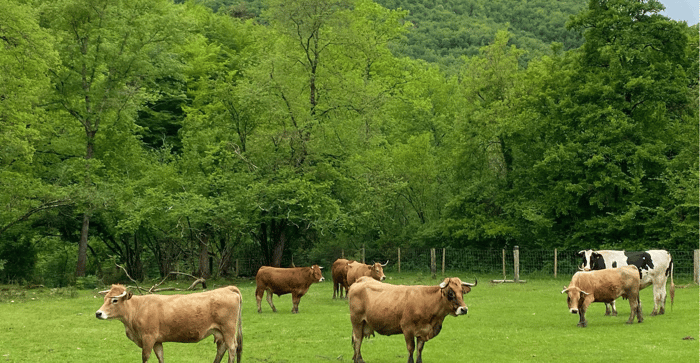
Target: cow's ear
(466,289)
(129,295)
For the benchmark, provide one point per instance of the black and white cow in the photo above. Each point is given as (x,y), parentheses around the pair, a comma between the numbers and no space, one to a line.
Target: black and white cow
(654,265)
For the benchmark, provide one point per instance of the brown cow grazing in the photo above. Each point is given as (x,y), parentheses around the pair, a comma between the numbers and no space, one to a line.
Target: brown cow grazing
(340,276)
(415,311)
(280,281)
(587,287)
(356,270)
(151,320)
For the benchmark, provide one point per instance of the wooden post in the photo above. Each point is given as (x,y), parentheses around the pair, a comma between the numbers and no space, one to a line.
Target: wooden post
(504,263)
(363,253)
(432,263)
(399,260)
(555,263)
(443,262)
(237,270)
(342,253)
(696,266)
(516,263)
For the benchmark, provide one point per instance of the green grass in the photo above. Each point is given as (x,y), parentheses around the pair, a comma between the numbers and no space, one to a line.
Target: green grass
(506,323)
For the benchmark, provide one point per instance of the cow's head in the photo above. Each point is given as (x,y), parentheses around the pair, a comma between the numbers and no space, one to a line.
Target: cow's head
(590,260)
(377,271)
(113,306)
(453,290)
(316,272)
(575,298)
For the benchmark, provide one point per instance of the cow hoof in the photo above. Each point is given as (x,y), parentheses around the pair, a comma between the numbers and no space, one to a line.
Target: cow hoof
(582,325)
(653,313)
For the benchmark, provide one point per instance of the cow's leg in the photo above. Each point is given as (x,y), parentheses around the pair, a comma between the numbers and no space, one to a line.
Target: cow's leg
(269,300)
(158,349)
(295,303)
(614,308)
(220,349)
(357,336)
(419,346)
(659,298)
(607,309)
(410,345)
(258,297)
(640,317)
(335,289)
(147,344)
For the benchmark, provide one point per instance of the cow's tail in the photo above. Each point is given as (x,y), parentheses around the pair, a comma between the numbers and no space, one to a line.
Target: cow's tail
(238,334)
(673,286)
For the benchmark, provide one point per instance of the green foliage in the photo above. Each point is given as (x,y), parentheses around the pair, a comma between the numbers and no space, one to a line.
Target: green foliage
(183,136)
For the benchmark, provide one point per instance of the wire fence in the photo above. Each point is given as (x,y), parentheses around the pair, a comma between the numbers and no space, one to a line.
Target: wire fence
(536,262)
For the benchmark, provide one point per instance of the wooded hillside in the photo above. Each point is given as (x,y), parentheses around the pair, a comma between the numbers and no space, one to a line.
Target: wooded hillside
(178,137)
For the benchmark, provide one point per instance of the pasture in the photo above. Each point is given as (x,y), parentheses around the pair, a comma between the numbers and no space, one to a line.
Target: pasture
(506,323)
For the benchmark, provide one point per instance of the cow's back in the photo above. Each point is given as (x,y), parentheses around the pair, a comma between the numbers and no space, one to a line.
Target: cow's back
(609,284)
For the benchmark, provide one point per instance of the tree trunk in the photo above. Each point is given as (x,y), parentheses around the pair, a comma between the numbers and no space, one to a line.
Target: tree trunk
(82,247)
(204,257)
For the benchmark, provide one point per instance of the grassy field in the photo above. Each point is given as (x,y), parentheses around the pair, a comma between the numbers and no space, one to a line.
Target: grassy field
(506,323)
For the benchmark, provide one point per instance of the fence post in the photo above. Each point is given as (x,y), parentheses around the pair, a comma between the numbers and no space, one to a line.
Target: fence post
(342,253)
(516,263)
(555,263)
(443,262)
(237,268)
(696,266)
(363,253)
(504,263)
(399,259)
(432,263)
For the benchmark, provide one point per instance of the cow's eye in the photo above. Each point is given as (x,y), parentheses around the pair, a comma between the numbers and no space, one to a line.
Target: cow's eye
(114,301)
(450,295)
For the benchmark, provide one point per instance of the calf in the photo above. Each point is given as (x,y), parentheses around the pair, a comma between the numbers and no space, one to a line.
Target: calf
(151,320)
(280,281)
(417,312)
(587,287)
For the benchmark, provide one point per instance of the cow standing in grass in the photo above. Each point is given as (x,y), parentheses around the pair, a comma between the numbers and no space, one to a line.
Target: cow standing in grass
(339,270)
(417,312)
(151,320)
(587,287)
(655,266)
(356,270)
(280,281)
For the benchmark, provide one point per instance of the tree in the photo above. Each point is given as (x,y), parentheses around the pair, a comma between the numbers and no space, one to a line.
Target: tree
(607,127)
(110,52)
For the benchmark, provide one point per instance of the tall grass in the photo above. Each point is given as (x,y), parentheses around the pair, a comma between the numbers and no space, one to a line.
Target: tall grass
(506,323)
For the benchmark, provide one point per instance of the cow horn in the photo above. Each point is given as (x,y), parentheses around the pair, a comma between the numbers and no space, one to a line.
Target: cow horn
(122,295)
(387,262)
(320,267)
(470,285)
(565,289)
(581,268)
(585,293)
(444,283)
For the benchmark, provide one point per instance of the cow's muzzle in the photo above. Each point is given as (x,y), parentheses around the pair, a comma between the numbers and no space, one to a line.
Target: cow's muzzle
(462,310)
(574,311)
(100,315)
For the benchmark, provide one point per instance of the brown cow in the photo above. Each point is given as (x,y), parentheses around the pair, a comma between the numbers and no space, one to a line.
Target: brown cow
(415,311)
(356,270)
(280,281)
(587,287)
(340,276)
(151,320)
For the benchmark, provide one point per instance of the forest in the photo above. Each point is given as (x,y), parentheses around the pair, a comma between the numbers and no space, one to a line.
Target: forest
(169,135)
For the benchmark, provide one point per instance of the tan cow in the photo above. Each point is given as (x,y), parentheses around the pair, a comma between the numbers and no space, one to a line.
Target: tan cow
(359,269)
(339,271)
(280,281)
(151,320)
(587,287)
(417,312)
